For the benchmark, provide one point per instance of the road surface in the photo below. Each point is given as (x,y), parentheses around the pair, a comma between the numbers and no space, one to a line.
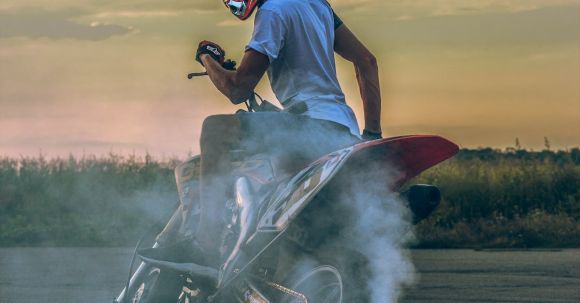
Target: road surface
(31,275)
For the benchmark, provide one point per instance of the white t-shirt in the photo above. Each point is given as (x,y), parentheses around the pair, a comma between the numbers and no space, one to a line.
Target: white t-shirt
(298,38)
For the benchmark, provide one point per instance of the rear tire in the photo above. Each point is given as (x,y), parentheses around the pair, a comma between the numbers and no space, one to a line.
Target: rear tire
(339,276)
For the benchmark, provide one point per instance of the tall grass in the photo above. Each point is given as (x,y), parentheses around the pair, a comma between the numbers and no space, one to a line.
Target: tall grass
(513,198)
(492,198)
(88,201)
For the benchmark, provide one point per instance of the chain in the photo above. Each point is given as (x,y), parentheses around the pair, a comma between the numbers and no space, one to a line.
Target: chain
(289,292)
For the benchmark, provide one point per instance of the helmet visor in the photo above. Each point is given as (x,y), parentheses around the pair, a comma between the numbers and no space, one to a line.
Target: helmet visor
(237,7)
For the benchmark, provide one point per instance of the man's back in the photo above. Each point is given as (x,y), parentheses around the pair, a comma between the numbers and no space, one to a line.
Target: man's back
(298,38)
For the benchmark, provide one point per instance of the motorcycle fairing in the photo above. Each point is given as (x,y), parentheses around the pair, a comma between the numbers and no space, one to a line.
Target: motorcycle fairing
(301,189)
(287,204)
(403,157)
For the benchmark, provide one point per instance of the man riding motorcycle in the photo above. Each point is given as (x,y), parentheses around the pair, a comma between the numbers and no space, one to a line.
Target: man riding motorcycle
(294,41)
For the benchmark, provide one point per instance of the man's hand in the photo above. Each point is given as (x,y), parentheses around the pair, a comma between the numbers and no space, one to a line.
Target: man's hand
(238,84)
(211,49)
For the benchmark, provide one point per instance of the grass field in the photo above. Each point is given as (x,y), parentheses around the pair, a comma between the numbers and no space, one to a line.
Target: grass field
(513,198)
(492,198)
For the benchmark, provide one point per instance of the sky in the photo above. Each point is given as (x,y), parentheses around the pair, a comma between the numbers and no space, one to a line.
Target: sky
(93,77)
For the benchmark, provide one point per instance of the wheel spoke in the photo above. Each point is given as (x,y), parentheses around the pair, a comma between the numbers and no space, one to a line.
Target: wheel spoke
(322,284)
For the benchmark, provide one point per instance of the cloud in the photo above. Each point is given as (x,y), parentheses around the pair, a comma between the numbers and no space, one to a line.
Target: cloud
(543,27)
(37,23)
(425,8)
(136,14)
(461,7)
(155,5)
(92,7)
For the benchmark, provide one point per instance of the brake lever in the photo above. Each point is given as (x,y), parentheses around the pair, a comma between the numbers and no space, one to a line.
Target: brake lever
(190,76)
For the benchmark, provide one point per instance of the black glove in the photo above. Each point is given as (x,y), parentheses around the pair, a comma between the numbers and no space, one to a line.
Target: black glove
(212,49)
(369,135)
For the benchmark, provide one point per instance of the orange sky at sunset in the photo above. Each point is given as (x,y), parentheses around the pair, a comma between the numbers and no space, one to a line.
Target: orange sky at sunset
(92,77)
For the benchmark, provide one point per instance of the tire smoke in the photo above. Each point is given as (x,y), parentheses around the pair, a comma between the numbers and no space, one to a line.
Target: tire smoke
(380,233)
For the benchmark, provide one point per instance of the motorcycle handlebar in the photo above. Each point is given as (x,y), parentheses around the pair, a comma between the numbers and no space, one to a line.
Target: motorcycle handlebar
(228,64)
(251,102)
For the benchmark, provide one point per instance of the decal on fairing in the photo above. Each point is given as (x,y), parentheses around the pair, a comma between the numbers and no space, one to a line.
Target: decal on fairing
(301,189)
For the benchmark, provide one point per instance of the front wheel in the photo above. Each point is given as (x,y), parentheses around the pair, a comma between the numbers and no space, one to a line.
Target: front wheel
(337,277)
(155,287)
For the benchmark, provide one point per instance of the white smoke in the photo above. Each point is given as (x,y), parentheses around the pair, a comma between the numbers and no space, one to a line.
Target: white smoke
(378,222)
(381,231)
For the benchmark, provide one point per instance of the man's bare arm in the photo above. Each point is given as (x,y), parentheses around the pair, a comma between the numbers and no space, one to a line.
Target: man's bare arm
(347,45)
(237,85)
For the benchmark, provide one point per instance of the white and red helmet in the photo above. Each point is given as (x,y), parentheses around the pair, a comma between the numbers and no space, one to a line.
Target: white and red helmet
(242,9)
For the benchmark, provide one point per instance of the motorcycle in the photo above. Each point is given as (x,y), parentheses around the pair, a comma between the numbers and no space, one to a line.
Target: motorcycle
(275,221)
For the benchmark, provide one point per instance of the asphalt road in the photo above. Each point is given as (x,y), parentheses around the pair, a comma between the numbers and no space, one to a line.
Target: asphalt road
(89,275)
(496,276)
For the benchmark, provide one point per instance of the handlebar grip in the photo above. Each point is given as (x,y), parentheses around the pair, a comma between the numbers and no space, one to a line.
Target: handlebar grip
(229,65)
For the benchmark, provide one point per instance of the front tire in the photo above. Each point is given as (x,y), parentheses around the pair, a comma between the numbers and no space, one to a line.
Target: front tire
(156,287)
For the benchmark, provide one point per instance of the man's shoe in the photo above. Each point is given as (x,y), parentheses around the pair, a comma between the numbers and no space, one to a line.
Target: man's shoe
(185,256)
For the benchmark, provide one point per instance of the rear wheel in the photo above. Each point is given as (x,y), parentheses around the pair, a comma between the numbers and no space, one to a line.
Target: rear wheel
(340,277)
(321,284)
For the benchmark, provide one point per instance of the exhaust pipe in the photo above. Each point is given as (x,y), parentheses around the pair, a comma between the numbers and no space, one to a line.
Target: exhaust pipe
(423,199)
